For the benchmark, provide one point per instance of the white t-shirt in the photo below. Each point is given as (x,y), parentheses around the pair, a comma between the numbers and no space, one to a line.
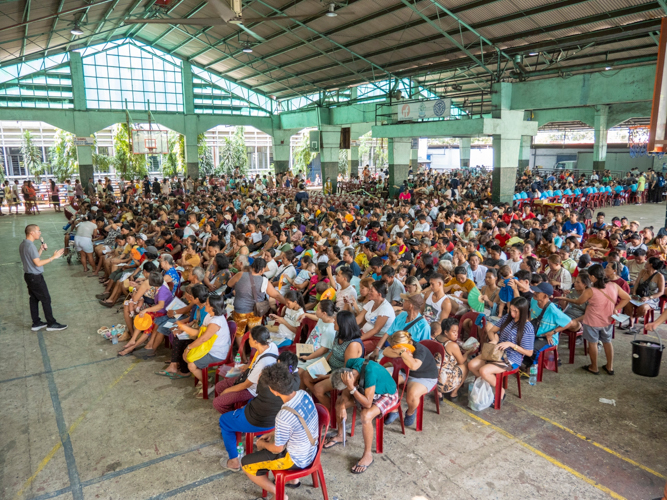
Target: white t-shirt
(514,266)
(256,237)
(371,316)
(223,342)
(283,285)
(341,294)
(257,368)
(189,230)
(422,227)
(272,268)
(293,318)
(323,335)
(395,230)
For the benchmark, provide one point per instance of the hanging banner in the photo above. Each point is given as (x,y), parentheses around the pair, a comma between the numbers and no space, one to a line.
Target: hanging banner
(440,108)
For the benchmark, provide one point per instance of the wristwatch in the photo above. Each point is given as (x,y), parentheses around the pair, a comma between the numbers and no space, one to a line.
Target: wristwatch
(353,391)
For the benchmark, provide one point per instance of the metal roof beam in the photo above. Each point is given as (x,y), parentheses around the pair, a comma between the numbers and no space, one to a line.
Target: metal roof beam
(186,16)
(26,16)
(100,24)
(437,27)
(135,5)
(53,26)
(514,36)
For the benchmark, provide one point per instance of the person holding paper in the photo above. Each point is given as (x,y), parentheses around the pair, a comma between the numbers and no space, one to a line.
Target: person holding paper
(376,395)
(597,322)
(647,290)
(321,339)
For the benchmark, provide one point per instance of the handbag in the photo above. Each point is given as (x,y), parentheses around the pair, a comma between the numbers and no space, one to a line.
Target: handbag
(643,289)
(490,353)
(244,376)
(261,308)
(201,350)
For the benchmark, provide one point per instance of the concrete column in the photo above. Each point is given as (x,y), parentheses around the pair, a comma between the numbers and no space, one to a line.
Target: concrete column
(524,152)
(601,129)
(505,161)
(281,150)
(414,159)
(85,157)
(353,161)
(188,95)
(329,147)
(464,152)
(399,163)
(78,87)
(191,154)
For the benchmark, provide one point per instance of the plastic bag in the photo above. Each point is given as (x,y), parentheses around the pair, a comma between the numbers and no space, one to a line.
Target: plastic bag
(481,396)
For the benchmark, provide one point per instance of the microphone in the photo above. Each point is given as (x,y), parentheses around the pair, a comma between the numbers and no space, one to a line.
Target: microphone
(44,244)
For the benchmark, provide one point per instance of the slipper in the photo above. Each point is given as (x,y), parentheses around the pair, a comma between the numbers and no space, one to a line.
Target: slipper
(610,372)
(179,376)
(365,467)
(293,486)
(588,369)
(332,442)
(165,373)
(107,304)
(223,464)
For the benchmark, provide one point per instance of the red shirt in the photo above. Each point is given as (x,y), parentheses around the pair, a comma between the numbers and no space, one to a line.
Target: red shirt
(529,215)
(502,238)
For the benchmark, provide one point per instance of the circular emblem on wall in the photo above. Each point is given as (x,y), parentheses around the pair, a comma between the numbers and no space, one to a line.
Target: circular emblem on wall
(439,108)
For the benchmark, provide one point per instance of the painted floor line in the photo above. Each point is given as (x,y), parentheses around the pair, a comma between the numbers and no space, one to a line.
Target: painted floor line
(552,460)
(66,437)
(588,440)
(59,370)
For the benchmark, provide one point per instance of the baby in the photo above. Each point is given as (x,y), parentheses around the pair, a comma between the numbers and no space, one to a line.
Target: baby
(506,293)
(402,274)
(304,275)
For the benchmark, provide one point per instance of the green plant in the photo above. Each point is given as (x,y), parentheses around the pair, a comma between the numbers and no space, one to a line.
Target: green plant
(101,163)
(302,154)
(32,157)
(342,161)
(128,165)
(62,156)
(174,162)
(233,154)
(206,166)
(381,155)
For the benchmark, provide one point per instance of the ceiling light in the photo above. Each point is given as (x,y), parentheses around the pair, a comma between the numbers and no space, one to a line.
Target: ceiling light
(76,30)
(332,11)
(607,68)
(247,50)
(533,54)
(247,47)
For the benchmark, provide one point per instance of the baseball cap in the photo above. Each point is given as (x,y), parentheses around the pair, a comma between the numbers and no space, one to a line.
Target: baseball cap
(543,287)
(417,299)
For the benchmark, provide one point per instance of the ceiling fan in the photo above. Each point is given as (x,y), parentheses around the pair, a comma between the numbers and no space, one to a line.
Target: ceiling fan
(230,12)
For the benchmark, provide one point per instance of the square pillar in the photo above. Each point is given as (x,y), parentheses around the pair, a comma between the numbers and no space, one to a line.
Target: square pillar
(86,171)
(329,150)
(414,159)
(524,153)
(505,161)
(281,140)
(464,152)
(353,162)
(601,129)
(191,154)
(399,163)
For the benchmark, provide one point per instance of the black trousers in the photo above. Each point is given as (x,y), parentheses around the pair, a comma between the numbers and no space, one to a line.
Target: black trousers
(39,293)
(177,350)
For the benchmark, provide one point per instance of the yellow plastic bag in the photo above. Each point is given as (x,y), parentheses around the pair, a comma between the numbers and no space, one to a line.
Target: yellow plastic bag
(201,350)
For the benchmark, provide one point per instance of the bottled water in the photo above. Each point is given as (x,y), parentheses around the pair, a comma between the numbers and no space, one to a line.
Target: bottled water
(114,334)
(237,360)
(240,450)
(533,375)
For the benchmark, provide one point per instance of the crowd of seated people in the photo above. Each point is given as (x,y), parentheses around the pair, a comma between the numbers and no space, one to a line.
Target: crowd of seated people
(209,269)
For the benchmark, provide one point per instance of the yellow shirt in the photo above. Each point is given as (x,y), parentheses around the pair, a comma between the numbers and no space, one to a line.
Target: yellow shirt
(457,285)
(362,261)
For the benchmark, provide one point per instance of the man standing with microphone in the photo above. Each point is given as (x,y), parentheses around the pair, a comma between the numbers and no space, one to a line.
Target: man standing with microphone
(33,269)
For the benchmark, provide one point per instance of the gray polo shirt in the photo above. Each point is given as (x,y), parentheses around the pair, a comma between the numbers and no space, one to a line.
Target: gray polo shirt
(394,291)
(28,253)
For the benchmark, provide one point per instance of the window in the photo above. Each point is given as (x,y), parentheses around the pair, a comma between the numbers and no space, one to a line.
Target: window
(132,71)
(43,83)
(215,95)
(15,159)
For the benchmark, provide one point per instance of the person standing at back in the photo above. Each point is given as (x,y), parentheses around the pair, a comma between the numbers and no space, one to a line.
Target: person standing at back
(33,269)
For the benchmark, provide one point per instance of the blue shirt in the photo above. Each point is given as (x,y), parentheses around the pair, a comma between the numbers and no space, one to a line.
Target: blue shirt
(509,334)
(175,277)
(558,192)
(618,189)
(578,227)
(421,330)
(523,195)
(634,188)
(553,318)
(577,191)
(291,433)
(567,192)
(623,272)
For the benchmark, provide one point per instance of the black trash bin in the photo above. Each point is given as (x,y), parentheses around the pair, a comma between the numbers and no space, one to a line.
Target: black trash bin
(646,356)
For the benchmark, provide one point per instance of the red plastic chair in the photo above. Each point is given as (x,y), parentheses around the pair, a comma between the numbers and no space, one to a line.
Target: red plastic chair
(399,366)
(228,360)
(542,361)
(472,316)
(572,341)
(435,348)
(315,468)
(501,378)
(250,439)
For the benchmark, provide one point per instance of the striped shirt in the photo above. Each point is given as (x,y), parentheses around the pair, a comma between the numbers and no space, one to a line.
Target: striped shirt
(290,431)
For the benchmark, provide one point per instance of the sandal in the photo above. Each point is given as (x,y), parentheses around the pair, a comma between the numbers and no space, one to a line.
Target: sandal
(179,376)
(165,373)
(332,443)
(588,369)
(293,486)
(364,467)
(610,372)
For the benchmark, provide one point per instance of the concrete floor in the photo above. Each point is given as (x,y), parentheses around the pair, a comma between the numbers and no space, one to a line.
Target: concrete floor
(78,422)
